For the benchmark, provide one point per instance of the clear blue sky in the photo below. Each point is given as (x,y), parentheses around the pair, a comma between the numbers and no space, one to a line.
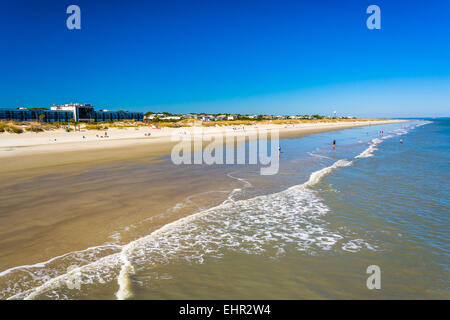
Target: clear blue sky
(280,57)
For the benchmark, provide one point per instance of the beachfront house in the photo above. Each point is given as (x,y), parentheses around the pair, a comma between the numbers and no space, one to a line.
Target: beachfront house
(221,117)
(191,116)
(206,117)
(150,117)
(171,118)
(232,117)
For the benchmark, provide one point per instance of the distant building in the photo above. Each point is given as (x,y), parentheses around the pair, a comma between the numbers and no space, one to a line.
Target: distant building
(202,117)
(232,117)
(103,115)
(205,117)
(24,114)
(68,112)
(86,112)
(191,116)
(221,117)
(150,117)
(171,118)
(81,112)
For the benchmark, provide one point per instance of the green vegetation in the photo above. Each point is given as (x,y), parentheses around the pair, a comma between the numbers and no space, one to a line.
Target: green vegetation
(14,129)
(95,127)
(229,123)
(34,129)
(35,126)
(11,127)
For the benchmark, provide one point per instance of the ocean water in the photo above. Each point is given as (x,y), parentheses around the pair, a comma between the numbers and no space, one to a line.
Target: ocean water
(309,232)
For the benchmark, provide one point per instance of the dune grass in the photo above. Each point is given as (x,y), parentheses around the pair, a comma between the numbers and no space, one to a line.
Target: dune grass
(10,127)
(18,127)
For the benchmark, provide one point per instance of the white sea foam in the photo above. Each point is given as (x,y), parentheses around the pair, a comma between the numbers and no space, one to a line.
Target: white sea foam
(317,175)
(28,282)
(124,281)
(376,141)
(319,156)
(423,123)
(369,152)
(355,245)
(267,224)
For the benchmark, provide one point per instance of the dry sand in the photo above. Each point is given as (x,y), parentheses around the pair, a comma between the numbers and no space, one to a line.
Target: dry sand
(52,151)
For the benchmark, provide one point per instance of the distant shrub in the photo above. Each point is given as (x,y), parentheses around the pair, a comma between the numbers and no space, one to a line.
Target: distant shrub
(168,124)
(95,127)
(34,129)
(228,123)
(14,129)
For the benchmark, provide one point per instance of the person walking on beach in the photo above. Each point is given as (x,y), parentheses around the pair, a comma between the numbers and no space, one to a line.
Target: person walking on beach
(279,152)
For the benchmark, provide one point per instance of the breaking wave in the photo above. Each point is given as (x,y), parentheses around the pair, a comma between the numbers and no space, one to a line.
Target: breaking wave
(369,152)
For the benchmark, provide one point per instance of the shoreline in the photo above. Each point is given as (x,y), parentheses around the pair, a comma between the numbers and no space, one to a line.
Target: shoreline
(27,156)
(57,141)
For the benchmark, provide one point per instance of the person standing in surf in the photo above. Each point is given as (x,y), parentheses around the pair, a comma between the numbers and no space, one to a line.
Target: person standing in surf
(334,144)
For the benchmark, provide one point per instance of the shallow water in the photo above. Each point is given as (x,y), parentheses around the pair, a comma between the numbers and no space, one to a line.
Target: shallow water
(308,232)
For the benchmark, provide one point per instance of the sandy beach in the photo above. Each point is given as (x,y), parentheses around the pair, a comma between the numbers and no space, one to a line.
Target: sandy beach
(48,148)
(58,140)
(33,154)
